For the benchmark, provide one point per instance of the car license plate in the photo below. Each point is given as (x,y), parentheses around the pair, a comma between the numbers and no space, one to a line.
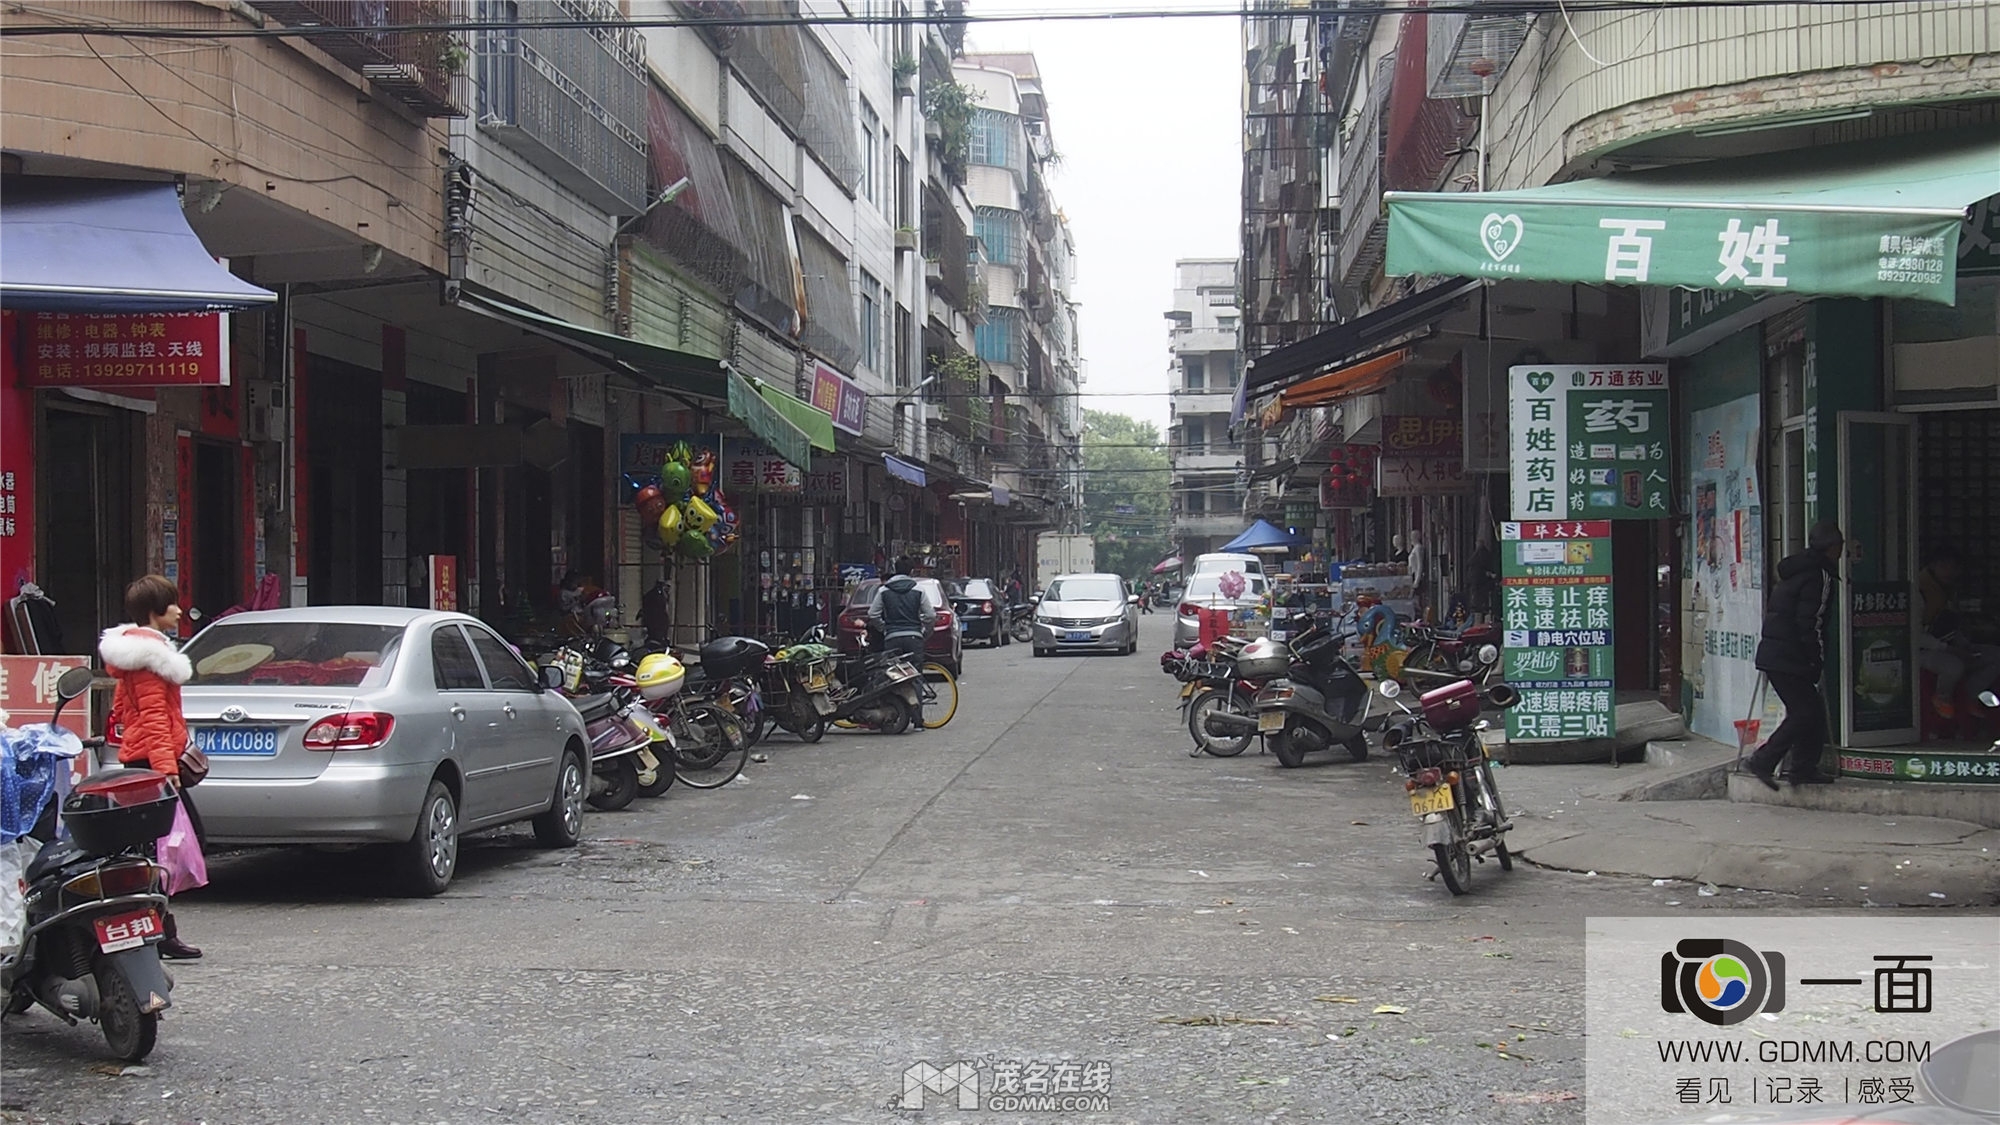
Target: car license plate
(1187,689)
(1075,637)
(1270,722)
(1436,798)
(126,931)
(237,742)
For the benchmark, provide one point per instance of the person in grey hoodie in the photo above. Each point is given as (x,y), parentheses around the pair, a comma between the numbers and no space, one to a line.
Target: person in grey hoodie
(905,617)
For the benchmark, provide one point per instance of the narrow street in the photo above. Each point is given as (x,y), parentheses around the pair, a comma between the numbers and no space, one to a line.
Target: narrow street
(1050,878)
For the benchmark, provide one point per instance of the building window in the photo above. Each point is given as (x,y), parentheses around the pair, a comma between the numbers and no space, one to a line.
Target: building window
(871,153)
(1002,234)
(1197,437)
(905,216)
(995,340)
(1197,502)
(993,142)
(871,322)
(1225,323)
(1193,372)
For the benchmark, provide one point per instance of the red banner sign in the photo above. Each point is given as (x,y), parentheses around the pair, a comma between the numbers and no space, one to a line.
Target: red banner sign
(28,691)
(444,582)
(840,397)
(108,351)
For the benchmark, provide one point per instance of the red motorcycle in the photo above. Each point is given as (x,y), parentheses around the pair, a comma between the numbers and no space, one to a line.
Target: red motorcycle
(1210,683)
(1473,651)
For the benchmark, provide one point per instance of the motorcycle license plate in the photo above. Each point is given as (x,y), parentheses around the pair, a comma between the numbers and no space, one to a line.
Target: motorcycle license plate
(1270,722)
(1077,638)
(126,931)
(1187,689)
(1436,798)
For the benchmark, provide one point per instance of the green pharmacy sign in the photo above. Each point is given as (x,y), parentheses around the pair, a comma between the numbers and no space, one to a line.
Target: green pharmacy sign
(1555,621)
(1590,442)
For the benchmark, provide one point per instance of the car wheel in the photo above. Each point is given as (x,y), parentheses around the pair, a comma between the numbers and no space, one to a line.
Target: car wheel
(562,825)
(427,861)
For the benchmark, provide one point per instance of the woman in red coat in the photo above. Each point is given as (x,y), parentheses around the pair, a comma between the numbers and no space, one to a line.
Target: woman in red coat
(146,709)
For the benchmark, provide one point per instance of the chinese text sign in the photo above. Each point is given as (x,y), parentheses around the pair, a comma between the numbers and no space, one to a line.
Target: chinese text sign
(1590,442)
(1555,620)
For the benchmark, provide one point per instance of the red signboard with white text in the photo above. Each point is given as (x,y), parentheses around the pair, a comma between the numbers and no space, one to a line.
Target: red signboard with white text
(108,351)
(17,467)
(28,691)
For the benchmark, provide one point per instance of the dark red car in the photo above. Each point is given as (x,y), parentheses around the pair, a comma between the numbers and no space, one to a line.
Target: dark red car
(943,645)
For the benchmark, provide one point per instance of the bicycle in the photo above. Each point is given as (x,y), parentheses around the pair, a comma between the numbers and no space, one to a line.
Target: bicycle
(938,689)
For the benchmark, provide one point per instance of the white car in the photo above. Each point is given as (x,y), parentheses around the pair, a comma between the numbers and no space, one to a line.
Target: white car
(1204,591)
(369,724)
(1220,563)
(1087,613)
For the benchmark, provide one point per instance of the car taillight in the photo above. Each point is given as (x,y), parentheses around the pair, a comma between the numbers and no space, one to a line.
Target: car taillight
(350,730)
(986,607)
(1189,609)
(943,619)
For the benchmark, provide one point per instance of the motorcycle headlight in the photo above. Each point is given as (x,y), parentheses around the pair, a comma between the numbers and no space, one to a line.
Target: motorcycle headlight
(1488,654)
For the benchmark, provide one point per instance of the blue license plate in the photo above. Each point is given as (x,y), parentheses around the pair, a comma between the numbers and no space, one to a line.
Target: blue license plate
(237,742)
(1076,637)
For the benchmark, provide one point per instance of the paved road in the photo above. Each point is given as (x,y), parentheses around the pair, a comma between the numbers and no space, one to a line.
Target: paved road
(1045,881)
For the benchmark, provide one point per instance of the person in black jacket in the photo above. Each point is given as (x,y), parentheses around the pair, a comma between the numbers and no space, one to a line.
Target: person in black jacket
(1792,655)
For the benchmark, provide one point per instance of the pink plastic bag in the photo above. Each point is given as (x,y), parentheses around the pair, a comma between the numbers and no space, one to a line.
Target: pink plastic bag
(180,854)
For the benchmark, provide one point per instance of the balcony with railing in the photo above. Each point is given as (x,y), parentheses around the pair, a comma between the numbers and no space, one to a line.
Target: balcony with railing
(571,101)
(415,68)
(1364,229)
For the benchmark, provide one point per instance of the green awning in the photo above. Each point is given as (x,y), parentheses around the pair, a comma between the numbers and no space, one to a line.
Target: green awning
(773,428)
(816,423)
(663,367)
(1868,219)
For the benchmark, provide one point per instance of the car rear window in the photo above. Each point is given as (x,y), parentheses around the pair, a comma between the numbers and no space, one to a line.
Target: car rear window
(1210,586)
(294,654)
(978,588)
(1085,590)
(864,594)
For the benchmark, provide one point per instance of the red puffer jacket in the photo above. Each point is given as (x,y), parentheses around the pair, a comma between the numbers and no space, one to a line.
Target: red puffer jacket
(146,709)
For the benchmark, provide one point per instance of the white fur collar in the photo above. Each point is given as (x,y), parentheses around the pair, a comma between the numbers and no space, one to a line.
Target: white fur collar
(135,648)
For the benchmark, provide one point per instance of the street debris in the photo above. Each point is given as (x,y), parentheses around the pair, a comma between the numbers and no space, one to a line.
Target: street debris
(1220,1020)
(1338,999)
(1535,1097)
(1391,1010)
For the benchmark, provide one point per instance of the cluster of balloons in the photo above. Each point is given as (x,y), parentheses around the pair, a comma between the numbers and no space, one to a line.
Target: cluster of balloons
(694,519)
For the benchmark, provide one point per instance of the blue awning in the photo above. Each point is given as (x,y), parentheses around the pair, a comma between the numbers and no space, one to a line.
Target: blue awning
(1261,536)
(70,245)
(903,470)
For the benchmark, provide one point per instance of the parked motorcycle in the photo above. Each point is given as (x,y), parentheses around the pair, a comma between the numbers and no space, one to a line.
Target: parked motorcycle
(1021,622)
(1472,652)
(1212,683)
(1449,775)
(1312,698)
(625,741)
(96,905)
(876,690)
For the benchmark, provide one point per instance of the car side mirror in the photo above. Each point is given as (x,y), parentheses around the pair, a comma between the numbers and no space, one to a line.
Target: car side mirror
(1132,599)
(552,678)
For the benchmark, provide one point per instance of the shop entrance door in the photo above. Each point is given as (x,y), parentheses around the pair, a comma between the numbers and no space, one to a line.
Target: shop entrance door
(1876,686)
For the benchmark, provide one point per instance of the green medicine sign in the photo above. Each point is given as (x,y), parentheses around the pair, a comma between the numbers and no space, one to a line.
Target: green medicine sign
(1555,621)
(1589,442)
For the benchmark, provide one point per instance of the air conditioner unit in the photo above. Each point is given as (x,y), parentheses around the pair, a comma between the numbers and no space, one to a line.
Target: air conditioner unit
(263,410)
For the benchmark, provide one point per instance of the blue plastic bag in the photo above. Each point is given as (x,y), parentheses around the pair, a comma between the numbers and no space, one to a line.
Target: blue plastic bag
(34,770)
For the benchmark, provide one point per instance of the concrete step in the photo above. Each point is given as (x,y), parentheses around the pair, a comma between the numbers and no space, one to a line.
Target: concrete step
(1972,804)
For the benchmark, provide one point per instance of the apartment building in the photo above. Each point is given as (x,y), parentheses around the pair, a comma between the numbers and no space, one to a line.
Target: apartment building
(1203,373)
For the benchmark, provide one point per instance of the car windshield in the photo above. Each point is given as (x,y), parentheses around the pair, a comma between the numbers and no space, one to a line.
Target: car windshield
(1209,586)
(294,654)
(977,588)
(1219,566)
(1088,589)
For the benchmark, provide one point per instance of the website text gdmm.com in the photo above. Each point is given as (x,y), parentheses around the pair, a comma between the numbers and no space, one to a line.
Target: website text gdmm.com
(1048,1103)
(1795,1051)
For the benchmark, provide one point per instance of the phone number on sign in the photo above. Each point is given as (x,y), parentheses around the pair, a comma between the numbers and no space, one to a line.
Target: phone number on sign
(96,371)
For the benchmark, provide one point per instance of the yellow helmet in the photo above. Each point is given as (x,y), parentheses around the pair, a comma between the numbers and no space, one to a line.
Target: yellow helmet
(659,676)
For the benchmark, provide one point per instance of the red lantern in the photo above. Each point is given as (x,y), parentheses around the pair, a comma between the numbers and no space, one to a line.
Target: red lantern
(652,503)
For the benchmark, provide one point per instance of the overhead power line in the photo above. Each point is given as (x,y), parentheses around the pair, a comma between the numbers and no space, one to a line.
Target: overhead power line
(1473,7)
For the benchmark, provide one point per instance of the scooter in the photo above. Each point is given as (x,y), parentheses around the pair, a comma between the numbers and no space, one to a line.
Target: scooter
(877,691)
(96,905)
(1021,622)
(1312,699)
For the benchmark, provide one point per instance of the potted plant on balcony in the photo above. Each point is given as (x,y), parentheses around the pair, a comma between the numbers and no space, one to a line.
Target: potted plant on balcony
(906,75)
(906,238)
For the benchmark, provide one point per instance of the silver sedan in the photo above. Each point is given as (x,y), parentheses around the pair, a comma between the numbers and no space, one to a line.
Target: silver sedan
(1087,613)
(363,724)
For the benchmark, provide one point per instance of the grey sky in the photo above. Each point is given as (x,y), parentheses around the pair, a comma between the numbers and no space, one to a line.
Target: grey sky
(1147,116)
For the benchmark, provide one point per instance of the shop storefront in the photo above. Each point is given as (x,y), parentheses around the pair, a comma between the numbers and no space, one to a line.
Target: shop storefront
(122,448)
(1828,364)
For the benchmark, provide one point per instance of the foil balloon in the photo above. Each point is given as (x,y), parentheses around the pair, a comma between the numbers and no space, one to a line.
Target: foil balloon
(675,479)
(700,517)
(652,503)
(670,526)
(703,468)
(696,546)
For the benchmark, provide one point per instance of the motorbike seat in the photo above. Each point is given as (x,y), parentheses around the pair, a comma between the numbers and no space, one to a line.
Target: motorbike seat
(52,858)
(591,708)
